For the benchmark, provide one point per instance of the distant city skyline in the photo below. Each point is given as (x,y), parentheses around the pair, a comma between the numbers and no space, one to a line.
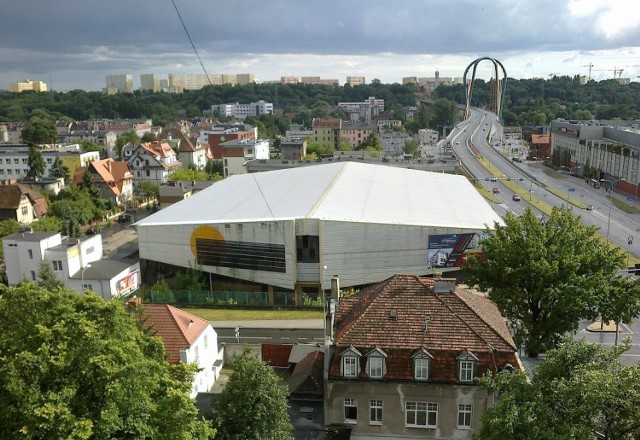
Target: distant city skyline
(72,47)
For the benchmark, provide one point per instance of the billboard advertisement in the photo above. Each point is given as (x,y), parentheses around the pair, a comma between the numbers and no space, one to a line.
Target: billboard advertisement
(128,284)
(447,250)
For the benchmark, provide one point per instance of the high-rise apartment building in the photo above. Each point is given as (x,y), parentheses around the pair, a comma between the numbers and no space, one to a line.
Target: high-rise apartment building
(289,80)
(356,80)
(150,81)
(122,83)
(21,86)
(187,81)
(245,78)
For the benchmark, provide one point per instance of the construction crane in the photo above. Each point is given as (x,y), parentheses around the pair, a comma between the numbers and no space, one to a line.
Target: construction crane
(617,72)
(590,66)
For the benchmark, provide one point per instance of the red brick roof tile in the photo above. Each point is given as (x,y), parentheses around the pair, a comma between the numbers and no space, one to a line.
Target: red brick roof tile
(178,329)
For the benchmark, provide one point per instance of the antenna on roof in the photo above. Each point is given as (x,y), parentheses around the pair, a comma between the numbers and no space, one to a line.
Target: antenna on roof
(427,320)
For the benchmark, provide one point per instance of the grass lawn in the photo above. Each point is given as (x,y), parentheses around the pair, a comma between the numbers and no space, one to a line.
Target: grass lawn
(251,315)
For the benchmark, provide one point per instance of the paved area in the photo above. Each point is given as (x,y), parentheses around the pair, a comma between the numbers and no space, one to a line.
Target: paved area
(289,324)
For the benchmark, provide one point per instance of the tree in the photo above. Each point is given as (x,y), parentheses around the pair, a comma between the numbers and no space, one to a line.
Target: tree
(58,169)
(188,174)
(47,224)
(76,366)
(253,404)
(39,131)
(445,113)
(411,147)
(581,391)
(544,276)
(148,190)
(148,136)
(86,146)
(35,162)
(128,137)
(373,141)
(48,279)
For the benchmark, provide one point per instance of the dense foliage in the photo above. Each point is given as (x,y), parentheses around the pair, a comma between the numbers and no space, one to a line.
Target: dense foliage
(546,276)
(582,391)
(253,404)
(536,101)
(77,367)
(528,102)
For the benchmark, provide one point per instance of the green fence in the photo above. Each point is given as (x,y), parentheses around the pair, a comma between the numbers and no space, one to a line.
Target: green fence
(225,297)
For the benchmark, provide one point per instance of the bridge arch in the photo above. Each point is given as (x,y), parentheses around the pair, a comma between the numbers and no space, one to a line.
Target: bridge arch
(498,87)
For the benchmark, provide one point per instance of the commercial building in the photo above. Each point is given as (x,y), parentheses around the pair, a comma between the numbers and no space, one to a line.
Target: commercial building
(286,232)
(76,262)
(599,150)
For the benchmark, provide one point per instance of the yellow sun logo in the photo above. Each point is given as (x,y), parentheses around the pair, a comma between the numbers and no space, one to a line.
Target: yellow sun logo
(204,231)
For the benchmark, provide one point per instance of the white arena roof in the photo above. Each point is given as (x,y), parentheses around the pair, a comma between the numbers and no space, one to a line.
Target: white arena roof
(341,191)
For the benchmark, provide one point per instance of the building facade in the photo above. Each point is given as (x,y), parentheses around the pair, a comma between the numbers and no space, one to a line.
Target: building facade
(599,150)
(238,152)
(122,83)
(151,161)
(242,111)
(28,85)
(356,80)
(401,358)
(363,111)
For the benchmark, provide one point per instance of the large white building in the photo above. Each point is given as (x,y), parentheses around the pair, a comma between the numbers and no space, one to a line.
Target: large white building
(292,230)
(76,262)
(241,111)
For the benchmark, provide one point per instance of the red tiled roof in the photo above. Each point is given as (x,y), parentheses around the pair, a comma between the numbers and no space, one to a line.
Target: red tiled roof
(444,324)
(156,148)
(10,196)
(186,144)
(307,376)
(540,138)
(178,329)
(109,170)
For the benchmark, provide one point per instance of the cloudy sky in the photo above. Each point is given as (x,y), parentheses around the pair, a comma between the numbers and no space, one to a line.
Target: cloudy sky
(76,43)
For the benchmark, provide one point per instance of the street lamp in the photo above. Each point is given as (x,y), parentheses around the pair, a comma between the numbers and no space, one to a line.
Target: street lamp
(82,276)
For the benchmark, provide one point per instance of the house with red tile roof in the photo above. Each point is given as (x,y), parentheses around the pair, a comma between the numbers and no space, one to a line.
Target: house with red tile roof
(21,203)
(186,339)
(404,354)
(191,153)
(112,177)
(151,161)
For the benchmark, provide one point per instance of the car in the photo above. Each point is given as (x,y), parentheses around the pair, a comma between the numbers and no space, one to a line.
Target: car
(124,217)
(516,159)
(457,142)
(494,179)
(92,231)
(496,190)
(516,197)
(589,207)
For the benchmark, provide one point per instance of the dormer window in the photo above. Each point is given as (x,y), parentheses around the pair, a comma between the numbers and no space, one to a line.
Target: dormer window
(421,363)
(376,366)
(467,363)
(350,364)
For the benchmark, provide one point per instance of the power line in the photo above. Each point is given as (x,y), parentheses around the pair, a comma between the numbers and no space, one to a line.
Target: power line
(191,41)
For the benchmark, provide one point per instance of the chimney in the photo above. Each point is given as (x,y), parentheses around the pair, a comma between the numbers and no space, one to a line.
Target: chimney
(444,285)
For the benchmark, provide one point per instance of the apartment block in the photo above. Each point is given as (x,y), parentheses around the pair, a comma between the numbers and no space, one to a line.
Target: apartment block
(122,83)
(356,80)
(21,86)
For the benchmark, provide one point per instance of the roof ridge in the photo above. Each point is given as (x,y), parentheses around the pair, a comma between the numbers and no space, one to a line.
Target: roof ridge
(327,190)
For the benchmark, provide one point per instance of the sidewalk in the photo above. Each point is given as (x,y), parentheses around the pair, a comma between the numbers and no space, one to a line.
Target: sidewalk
(314,324)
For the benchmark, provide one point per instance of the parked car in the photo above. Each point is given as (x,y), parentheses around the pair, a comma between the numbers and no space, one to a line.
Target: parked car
(516,159)
(516,197)
(124,217)
(496,190)
(589,207)
(494,179)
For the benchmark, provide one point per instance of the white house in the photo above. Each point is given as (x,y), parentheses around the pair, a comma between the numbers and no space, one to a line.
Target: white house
(76,262)
(187,339)
(237,152)
(151,161)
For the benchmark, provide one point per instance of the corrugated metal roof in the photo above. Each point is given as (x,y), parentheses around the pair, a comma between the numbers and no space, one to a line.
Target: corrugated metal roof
(347,191)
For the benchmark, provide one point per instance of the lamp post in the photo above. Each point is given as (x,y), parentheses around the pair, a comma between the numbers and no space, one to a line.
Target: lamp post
(82,276)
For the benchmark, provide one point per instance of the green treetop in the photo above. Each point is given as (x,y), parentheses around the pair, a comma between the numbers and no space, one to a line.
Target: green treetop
(545,277)
(35,162)
(78,367)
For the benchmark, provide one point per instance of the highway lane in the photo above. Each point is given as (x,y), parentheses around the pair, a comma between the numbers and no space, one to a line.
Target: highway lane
(483,124)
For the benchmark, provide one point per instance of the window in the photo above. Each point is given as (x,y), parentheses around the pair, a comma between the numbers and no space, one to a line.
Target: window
(24,161)
(9,171)
(197,352)
(350,366)
(466,371)
(1,170)
(33,275)
(24,210)
(206,341)
(307,248)
(350,411)
(30,254)
(57,265)
(464,416)
(375,367)
(16,160)
(49,160)
(1,160)
(421,414)
(148,173)
(87,287)
(375,412)
(421,368)
(466,366)
(17,170)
